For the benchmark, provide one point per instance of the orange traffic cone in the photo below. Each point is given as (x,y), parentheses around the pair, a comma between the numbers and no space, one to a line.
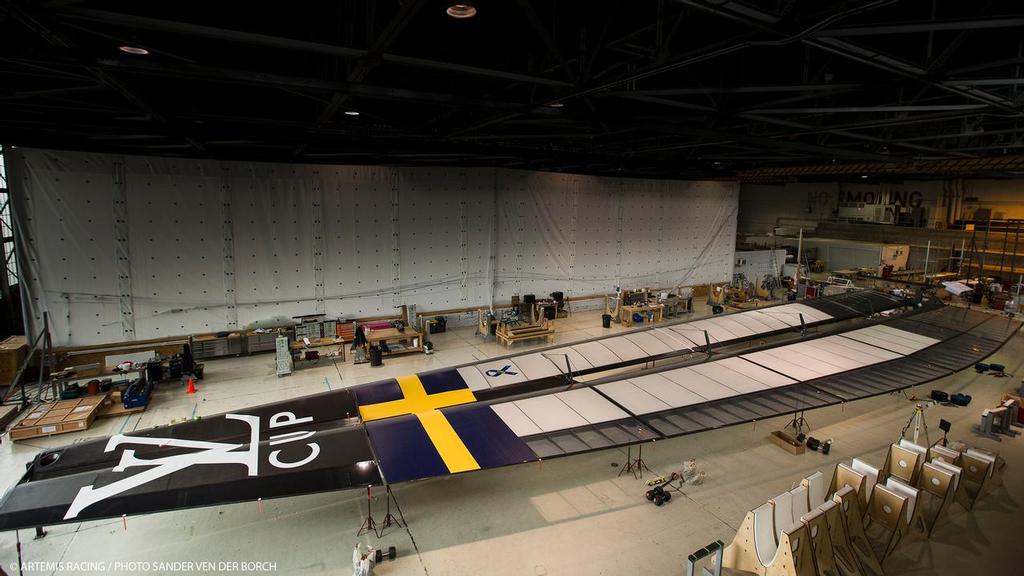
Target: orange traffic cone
(191,386)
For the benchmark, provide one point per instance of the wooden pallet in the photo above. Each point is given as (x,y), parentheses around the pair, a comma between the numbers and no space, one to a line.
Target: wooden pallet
(508,334)
(58,418)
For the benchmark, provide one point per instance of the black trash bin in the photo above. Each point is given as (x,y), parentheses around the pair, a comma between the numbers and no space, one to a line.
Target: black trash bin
(606,320)
(376,357)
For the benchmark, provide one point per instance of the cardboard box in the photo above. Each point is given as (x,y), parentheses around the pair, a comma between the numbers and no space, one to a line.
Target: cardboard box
(787,442)
(13,352)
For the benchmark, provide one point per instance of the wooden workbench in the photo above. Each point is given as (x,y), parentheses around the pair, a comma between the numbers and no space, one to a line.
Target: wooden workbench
(643,310)
(414,338)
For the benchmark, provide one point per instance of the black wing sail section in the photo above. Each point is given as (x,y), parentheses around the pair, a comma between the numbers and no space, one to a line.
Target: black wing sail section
(306,445)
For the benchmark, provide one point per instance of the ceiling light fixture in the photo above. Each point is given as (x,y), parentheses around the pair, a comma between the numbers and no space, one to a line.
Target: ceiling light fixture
(461,10)
(555,105)
(351,113)
(863,176)
(133,50)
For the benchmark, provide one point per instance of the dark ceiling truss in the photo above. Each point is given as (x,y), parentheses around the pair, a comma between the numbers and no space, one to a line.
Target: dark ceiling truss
(653,88)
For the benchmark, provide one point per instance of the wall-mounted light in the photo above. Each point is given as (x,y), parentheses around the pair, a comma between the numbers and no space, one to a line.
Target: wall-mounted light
(136,50)
(464,9)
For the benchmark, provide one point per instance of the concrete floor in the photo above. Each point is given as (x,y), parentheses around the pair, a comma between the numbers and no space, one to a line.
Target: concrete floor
(565,516)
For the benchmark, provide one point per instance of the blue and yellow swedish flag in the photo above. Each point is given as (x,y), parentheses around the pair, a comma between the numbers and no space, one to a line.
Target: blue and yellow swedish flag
(429,425)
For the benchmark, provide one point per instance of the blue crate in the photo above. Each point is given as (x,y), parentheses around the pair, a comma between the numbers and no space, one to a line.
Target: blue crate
(137,394)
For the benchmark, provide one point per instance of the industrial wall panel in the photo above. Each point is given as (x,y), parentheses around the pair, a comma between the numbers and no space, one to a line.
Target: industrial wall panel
(358,260)
(71,271)
(175,234)
(598,234)
(273,239)
(215,245)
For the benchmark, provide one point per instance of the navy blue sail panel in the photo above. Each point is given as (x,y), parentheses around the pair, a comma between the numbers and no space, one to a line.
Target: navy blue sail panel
(447,441)
(378,392)
(488,438)
(439,381)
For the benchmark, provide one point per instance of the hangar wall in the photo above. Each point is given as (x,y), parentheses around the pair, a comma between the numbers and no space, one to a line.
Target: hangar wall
(763,207)
(130,247)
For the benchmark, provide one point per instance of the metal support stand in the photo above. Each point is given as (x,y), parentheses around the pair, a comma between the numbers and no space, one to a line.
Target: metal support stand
(918,422)
(368,525)
(635,467)
(798,423)
(389,518)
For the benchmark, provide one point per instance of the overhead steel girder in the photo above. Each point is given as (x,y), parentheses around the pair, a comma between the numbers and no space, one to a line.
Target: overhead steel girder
(46,31)
(233,76)
(869,109)
(256,39)
(406,12)
(894,65)
(807,129)
(763,89)
(771,143)
(912,27)
(860,54)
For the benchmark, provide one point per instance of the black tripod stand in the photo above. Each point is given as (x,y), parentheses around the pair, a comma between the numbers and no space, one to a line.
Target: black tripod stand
(636,466)
(368,525)
(389,518)
(798,423)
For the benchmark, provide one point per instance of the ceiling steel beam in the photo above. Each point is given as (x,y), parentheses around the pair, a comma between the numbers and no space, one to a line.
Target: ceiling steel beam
(549,42)
(912,27)
(888,63)
(47,32)
(762,141)
(807,129)
(661,101)
(866,56)
(256,39)
(765,89)
(988,65)
(406,12)
(870,109)
(983,81)
(233,76)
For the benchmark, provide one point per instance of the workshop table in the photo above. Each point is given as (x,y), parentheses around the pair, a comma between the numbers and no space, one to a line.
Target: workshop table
(643,310)
(386,335)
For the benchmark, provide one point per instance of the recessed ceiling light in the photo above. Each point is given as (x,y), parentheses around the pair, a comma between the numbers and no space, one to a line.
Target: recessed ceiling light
(863,175)
(351,113)
(461,10)
(133,50)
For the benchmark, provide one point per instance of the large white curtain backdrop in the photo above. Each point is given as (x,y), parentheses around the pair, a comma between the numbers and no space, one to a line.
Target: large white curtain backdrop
(129,247)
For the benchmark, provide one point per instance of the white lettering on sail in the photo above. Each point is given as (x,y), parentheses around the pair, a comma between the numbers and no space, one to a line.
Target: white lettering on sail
(206,453)
(314,452)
